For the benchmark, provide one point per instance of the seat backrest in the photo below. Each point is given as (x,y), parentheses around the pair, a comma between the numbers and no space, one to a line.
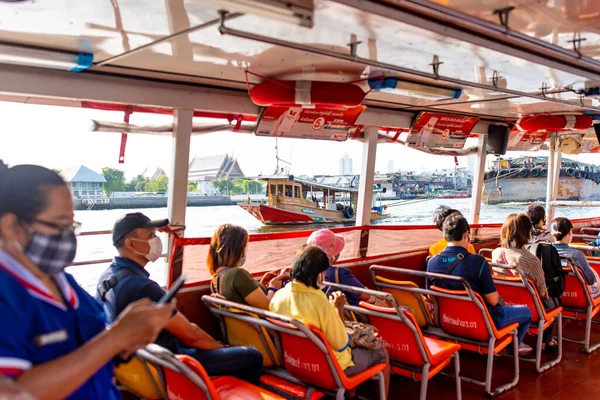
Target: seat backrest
(180,386)
(401,337)
(413,301)
(141,378)
(574,295)
(304,359)
(243,333)
(461,315)
(514,292)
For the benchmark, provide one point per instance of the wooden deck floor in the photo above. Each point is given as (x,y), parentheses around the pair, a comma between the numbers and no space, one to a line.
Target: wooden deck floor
(577,377)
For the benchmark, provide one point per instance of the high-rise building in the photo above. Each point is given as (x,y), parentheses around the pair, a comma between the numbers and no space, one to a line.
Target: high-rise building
(390,167)
(346,165)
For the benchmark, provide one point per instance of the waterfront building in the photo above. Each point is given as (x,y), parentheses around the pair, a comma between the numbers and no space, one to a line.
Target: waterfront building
(83,182)
(204,170)
(346,165)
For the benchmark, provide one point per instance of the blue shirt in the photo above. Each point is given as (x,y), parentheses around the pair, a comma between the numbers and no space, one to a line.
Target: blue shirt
(564,250)
(345,278)
(137,285)
(36,328)
(474,269)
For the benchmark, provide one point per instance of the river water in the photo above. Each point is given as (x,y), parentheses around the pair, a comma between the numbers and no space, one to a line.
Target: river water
(201,222)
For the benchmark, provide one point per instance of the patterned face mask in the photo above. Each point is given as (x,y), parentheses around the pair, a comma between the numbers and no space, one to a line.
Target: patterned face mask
(51,253)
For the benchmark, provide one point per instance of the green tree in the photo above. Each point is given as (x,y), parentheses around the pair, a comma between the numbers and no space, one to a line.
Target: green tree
(252,187)
(157,185)
(221,185)
(115,180)
(137,184)
(192,186)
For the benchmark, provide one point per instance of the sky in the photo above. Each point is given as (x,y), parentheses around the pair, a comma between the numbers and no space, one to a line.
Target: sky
(59,137)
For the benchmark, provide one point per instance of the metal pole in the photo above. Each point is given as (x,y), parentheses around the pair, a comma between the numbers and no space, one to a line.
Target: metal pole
(477,190)
(365,188)
(551,176)
(178,180)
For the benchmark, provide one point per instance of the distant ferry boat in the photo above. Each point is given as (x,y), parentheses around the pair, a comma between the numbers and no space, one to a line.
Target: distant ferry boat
(296,201)
(524,179)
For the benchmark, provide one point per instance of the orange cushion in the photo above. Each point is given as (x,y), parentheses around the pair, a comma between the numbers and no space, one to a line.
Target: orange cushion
(291,388)
(440,350)
(231,388)
(350,382)
(433,370)
(505,331)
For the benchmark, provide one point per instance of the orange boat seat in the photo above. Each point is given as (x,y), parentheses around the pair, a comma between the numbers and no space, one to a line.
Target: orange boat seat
(141,378)
(521,291)
(309,358)
(418,305)
(412,354)
(578,303)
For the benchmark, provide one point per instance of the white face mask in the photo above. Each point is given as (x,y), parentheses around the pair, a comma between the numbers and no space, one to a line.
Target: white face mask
(155,248)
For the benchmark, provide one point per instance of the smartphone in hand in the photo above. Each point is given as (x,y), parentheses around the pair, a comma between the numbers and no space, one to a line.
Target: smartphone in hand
(167,297)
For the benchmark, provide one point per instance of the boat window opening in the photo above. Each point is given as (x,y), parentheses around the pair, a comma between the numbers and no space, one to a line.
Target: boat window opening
(297,192)
(272,191)
(288,190)
(279,190)
(277,250)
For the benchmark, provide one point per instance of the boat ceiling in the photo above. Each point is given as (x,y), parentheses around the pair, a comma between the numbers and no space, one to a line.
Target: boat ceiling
(121,35)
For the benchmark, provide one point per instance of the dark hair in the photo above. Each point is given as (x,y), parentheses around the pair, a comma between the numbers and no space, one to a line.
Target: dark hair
(455,226)
(560,228)
(310,261)
(536,213)
(23,190)
(226,247)
(441,213)
(516,231)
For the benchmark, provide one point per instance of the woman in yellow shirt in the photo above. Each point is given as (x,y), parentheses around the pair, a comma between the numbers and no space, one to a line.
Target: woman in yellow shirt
(439,216)
(302,300)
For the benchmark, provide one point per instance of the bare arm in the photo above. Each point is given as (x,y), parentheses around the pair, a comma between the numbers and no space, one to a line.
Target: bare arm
(191,334)
(259,299)
(138,325)
(491,298)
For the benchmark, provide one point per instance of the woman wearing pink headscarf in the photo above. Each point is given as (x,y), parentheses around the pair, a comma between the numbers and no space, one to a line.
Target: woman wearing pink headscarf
(333,245)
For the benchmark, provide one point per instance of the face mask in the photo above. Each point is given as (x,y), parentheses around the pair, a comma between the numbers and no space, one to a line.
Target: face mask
(242,261)
(51,253)
(155,248)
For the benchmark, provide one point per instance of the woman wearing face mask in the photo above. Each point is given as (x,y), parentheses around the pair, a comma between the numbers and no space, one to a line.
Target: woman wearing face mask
(226,256)
(54,342)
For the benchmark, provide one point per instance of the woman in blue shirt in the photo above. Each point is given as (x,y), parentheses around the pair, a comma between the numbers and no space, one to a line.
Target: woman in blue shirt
(54,341)
(562,230)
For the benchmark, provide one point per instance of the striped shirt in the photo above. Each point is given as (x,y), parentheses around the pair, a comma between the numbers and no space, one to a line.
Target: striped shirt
(530,264)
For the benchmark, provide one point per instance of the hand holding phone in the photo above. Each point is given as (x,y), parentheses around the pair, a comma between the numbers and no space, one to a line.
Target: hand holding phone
(167,297)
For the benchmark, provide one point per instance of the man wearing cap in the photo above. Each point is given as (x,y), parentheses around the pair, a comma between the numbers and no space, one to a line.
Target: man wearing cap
(126,280)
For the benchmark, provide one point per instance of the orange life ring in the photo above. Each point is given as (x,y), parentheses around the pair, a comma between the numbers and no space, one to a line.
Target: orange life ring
(296,93)
(547,122)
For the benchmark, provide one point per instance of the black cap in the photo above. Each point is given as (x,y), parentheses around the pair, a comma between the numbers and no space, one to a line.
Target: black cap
(132,221)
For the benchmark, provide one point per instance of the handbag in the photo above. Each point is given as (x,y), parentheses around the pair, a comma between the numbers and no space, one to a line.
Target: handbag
(363,335)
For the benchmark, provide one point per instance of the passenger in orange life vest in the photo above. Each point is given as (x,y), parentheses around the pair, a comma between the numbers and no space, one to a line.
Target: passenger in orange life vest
(477,272)
(514,236)
(439,216)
